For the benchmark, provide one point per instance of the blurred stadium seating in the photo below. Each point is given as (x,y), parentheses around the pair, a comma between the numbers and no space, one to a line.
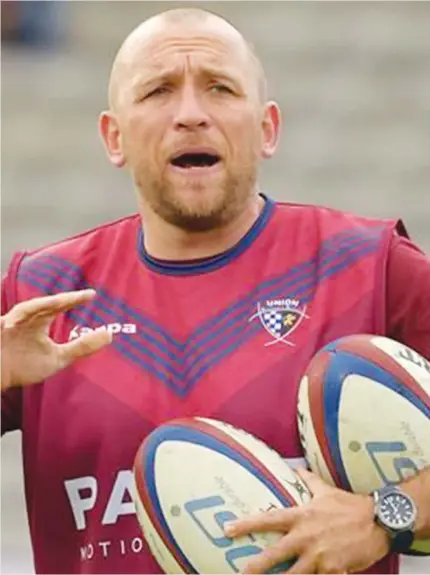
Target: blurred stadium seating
(353,80)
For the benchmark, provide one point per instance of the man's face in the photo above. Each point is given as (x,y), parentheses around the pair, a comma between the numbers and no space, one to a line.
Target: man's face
(190,124)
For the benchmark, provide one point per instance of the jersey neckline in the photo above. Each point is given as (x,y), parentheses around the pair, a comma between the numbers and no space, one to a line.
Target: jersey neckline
(204,265)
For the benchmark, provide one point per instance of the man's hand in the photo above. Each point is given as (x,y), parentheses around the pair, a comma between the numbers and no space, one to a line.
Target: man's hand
(29,355)
(333,533)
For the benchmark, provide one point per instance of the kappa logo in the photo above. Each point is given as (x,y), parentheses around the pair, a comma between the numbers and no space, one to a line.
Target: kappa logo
(280,318)
(114,328)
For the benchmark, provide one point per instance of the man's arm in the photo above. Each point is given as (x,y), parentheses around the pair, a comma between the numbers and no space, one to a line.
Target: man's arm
(408,296)
(418,488)
(336,532)
(408,321)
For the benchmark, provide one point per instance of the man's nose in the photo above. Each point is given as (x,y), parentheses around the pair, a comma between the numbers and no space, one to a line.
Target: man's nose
(191,113)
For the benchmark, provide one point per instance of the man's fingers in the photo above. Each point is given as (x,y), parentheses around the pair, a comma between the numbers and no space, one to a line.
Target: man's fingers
(274,520)
(85,345)
(278,554)
(313,482)
(42,307)
(304,564)
(307,564)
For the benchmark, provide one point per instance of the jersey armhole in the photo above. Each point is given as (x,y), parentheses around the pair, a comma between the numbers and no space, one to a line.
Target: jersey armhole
(395,230)
(11,282)
(400,230)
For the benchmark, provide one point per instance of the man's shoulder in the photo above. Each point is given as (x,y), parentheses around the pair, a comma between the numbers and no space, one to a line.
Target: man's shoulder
(72,262)
(92,242)
(331,219)
(330,213)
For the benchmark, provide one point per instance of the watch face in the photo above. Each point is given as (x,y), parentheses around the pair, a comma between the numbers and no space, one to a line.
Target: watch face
(397,511)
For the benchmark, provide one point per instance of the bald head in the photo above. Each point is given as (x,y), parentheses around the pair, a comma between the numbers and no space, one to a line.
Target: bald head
(181,19)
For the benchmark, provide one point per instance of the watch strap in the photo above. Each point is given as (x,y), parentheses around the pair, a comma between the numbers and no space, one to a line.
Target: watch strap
(401,542)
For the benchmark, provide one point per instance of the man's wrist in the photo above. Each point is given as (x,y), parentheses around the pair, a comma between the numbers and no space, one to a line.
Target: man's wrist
(379,535)
(421,521)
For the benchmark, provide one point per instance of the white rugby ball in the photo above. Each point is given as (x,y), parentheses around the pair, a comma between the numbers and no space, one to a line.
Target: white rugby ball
(364,414)
(192,475)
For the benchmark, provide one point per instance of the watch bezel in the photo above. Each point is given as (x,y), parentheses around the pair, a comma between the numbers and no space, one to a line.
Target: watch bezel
(380,496)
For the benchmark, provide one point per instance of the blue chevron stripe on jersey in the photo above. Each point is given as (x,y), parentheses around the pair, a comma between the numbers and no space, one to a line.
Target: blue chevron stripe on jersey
(58,275)
(181,364)
(219,323)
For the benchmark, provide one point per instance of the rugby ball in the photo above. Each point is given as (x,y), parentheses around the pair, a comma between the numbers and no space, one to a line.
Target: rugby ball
(364,414)
(191,476)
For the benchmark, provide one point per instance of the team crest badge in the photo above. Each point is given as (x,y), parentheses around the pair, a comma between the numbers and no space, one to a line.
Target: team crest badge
(280,318)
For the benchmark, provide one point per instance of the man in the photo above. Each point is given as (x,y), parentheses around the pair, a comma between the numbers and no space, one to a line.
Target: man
(193,289)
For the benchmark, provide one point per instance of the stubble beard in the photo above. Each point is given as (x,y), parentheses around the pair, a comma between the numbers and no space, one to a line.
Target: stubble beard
(205,215)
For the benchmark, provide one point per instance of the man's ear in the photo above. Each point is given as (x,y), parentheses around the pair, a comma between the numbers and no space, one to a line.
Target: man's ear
(111,136)
(271,126)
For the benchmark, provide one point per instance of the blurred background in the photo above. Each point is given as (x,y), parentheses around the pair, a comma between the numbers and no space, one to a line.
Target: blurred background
(353,81)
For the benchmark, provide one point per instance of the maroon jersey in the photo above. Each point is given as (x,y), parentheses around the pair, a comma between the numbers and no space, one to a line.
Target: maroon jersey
(227,337)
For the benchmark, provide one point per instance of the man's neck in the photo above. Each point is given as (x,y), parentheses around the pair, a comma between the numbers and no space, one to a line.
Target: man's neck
(165,241)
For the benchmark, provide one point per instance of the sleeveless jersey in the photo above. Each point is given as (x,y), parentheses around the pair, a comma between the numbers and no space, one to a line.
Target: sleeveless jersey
(228,337)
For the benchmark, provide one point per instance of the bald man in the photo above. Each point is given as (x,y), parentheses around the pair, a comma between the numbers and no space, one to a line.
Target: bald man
(210,301)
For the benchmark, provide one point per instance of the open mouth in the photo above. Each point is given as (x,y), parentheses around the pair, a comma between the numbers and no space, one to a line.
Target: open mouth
(195,160)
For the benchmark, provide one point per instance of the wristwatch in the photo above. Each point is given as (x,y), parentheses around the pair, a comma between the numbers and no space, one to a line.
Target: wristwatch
(396,513)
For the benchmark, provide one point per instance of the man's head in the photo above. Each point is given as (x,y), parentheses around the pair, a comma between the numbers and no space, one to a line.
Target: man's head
(188,117)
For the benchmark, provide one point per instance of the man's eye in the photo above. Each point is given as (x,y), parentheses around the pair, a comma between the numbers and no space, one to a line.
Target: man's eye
(222,88)
(157,91)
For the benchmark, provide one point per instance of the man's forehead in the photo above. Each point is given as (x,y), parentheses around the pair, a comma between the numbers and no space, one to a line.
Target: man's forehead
(163,46)
(199,53)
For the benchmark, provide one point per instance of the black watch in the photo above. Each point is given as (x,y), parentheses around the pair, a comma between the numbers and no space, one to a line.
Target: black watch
(396,513)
